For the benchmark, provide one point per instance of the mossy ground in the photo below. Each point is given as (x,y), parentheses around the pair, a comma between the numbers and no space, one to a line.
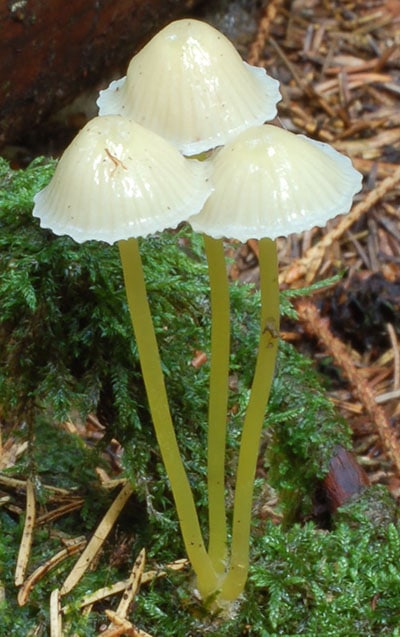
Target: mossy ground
(66,348)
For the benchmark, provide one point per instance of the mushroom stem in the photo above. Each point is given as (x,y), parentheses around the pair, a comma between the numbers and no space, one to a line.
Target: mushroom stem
(158,402)
(249,447)
(218,401)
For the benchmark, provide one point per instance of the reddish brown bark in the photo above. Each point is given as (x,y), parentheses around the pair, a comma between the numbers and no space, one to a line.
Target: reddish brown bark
(51,50)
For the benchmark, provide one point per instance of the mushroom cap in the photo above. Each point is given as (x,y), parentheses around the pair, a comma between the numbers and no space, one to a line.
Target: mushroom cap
(118,180)
(270,182)
(190,85)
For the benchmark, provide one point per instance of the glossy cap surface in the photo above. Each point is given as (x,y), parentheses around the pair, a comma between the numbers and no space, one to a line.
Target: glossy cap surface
(118,180)
(190,85)
(270,183)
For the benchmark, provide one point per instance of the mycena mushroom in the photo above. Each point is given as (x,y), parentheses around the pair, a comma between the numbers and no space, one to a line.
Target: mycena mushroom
(118,181)
(190,85)
(268,183)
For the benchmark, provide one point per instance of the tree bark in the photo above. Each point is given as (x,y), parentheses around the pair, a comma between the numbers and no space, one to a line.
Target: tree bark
(52,50)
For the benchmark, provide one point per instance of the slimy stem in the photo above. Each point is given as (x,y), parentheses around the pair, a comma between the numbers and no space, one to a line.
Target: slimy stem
(158,402)
(249,448)
(218,401)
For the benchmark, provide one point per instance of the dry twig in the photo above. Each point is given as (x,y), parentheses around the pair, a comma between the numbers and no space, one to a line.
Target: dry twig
(320,329)
(264,27)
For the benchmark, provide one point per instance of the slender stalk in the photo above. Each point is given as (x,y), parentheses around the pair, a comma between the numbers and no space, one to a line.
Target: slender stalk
(237,575)
(218,401)
(158,401)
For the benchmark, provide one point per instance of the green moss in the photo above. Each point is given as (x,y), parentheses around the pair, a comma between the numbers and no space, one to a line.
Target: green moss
(342,583)
(305,429)
(66,346)
(374,509)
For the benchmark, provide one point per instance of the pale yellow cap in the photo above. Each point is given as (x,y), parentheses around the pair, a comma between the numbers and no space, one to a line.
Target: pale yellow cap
(118,180)
(190,85)
(269,182)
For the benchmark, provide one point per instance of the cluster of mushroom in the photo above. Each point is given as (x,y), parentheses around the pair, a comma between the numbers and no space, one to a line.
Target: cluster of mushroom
(134,170)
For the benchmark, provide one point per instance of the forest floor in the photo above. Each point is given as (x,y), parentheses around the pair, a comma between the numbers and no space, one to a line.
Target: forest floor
(339,68)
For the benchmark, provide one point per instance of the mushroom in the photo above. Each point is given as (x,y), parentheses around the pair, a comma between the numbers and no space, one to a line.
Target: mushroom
(190,85)
(115,182)
(268,183)
(118,180)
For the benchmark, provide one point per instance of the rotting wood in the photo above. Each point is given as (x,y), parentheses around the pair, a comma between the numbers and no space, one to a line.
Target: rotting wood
(44,65)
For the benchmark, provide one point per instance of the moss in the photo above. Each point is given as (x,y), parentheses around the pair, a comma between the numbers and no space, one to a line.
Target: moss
(341,583)
(373,508)
(66,346)
(304,431)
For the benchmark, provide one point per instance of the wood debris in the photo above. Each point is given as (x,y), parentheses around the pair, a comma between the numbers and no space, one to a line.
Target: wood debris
(339,68)
(319,327)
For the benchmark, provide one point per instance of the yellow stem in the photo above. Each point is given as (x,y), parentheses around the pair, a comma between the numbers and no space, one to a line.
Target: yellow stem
(239,563)
(158,402)
(218,401)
